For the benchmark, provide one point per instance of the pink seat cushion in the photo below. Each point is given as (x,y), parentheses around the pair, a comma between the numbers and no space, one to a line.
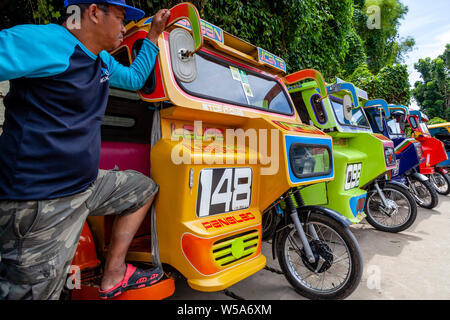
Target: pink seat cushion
(126,156)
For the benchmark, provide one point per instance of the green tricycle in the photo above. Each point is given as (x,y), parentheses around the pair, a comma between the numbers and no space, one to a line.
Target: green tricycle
(361,159)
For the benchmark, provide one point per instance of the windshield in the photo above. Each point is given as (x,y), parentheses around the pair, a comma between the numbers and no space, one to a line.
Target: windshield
(395,129)
(223,81)
(358,119)
(424,128)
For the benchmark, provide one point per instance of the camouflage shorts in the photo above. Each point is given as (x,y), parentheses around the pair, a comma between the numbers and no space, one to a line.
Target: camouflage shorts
(38,239)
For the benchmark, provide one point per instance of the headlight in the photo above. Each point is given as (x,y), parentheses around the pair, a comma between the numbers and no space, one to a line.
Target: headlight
(389,155)
(419,151)
(309,160)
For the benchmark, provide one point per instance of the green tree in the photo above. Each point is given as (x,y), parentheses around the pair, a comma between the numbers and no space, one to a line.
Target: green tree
(329,35)
(382,43)
(390,84)
(436,120)
(432,93)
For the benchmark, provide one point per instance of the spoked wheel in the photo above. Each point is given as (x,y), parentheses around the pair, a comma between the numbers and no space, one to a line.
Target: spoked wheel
(399,214)
(440,182)
(424,193)
(337,270)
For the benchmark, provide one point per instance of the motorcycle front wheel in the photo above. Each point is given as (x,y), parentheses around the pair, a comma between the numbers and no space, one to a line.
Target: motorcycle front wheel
(338,268)
(424,192)
(440,182)
(398,217)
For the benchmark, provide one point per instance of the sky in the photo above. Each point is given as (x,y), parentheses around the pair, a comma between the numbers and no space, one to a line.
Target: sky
(428,22)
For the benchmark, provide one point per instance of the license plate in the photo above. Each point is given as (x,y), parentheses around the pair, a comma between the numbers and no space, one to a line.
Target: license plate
(352,175)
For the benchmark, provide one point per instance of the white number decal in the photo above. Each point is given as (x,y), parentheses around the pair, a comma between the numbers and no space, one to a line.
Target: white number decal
(242,188)
(224,190)
(205,196)
(226,196)
(353,174)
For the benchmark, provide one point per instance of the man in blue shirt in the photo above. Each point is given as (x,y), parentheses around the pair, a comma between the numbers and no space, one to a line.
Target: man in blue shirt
(50,149)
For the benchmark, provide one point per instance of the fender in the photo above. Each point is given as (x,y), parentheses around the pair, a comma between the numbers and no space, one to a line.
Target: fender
(304,213)
(333,214)
(395,183)
(420,177)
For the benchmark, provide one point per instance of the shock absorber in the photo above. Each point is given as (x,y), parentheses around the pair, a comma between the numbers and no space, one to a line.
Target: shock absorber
(292,210)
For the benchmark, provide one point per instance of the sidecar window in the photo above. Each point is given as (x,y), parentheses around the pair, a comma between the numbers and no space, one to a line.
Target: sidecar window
(413,122)
(424,128)
(224,81)
(395,128)
(359,118)
(379,122)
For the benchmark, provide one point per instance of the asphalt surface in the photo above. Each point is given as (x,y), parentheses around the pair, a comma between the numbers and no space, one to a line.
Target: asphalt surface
(412,265)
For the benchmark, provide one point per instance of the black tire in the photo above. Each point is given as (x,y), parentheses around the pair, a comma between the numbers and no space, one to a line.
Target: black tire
(377,218)
(269,223)
(444,183)
(425,187)
(329,229)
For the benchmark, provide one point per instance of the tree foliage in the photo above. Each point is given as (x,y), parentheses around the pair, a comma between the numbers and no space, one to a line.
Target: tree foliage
(436,120)
(433,92)
(329,35)
(381,42)
(391,83)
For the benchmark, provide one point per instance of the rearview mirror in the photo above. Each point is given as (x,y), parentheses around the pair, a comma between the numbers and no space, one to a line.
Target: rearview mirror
(348,106)
(184,65)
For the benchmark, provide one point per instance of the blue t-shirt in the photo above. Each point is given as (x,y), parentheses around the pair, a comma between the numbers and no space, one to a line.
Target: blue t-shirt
(50,145)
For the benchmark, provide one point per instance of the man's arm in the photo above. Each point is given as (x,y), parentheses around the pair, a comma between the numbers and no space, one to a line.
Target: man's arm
(28,51)
(135,76)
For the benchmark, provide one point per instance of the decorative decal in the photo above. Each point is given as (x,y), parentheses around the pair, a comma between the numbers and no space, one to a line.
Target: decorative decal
(299,128)
(271,59)
(224,190)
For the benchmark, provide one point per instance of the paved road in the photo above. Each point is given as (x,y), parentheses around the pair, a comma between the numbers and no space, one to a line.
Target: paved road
(410,265)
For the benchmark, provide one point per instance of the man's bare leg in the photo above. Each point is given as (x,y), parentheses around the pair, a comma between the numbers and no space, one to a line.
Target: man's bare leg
(123,232)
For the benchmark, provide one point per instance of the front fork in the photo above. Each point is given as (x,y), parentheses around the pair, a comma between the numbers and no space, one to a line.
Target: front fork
(388,208)
(381,193)
(292,210)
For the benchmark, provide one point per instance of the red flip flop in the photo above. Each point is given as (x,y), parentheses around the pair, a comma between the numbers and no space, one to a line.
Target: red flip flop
(134,278)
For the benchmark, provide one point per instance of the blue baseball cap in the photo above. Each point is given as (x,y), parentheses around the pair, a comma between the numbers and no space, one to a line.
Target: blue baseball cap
(131,13)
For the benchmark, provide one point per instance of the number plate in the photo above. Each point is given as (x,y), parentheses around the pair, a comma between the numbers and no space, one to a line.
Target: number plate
(352,175)
(224,190)
(397,168)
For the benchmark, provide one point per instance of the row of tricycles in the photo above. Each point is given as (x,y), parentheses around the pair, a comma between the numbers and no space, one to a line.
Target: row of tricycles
(243,153)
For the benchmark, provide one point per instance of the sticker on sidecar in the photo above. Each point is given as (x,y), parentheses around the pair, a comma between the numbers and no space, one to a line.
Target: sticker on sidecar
(222,190)
(208,29)
(298,128)
(271,59)
(352,175)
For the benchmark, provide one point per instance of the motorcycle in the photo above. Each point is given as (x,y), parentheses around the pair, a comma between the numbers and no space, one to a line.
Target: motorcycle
(361,158)
(434,151)
(389,120)
(441,132)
